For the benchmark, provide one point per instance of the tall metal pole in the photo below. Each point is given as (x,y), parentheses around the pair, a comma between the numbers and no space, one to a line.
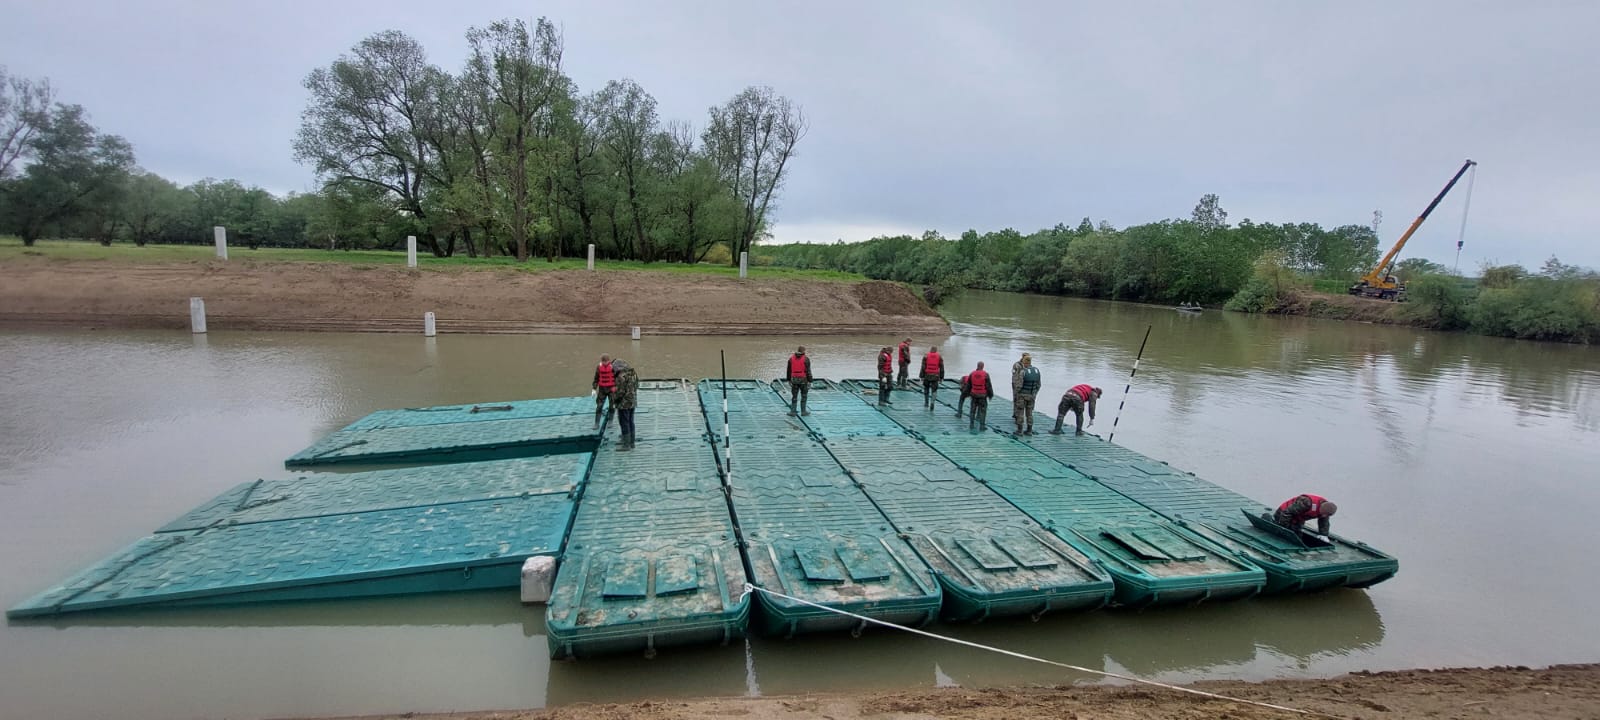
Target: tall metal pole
(1129,386)
(727,448)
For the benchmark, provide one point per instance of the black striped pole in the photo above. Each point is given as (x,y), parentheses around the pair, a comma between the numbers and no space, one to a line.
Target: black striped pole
(727,449)
(1129,386)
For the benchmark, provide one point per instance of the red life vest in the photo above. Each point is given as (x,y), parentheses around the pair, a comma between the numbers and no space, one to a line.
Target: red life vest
(1084,391)
(905,353)
(608,377)
(932,364)
(1313,513)
(885,364)
(980,383)
(797,366)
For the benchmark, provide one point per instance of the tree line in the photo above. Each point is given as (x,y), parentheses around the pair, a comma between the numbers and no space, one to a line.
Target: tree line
(1198,259)
(506,156)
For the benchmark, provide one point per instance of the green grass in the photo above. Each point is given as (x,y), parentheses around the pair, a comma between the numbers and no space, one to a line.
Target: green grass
(11,248)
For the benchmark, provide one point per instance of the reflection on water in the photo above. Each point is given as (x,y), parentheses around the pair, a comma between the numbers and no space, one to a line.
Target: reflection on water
(1425,439)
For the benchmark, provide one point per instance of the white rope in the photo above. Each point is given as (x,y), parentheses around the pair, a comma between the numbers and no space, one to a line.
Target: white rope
(1461,238)
(748,588)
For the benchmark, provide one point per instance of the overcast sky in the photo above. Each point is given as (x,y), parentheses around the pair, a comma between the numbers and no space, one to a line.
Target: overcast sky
(949,115)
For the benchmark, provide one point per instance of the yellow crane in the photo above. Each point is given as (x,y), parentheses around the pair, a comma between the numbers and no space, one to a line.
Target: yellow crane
(1378,283)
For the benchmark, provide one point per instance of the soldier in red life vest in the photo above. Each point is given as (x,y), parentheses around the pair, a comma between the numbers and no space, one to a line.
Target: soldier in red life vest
(1076,399)
(798,371)
(904,381)
(885,375)
(605,385)
(1295,511)
(966,392)
(981,387)
(932,375)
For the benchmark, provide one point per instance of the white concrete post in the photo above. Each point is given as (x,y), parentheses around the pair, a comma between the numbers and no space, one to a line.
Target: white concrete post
(591,256)
(221,235)
(411,251)
(197,314)
(636,332)
(428,329)
(744,264)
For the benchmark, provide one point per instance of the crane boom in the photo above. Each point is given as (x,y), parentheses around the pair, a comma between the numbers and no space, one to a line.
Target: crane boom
(1376,277)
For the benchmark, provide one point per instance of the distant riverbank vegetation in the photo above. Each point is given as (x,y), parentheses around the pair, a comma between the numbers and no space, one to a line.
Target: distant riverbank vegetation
(1300,269)
(503,157)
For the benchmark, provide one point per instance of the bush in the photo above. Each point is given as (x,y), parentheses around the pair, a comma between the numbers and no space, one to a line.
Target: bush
(1270,288)
(1438,301)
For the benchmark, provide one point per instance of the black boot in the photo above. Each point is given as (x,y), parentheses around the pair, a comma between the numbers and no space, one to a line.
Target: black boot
(1057,430)
(803,410)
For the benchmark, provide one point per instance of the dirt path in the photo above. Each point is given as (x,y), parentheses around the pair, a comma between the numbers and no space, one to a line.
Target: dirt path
(1559,693)
(332,296)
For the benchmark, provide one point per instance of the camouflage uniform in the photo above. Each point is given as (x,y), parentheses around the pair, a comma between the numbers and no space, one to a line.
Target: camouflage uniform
(1291,516)
(1027,389)
(625,399)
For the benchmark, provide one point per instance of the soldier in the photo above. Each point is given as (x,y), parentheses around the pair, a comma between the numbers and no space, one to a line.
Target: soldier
(932,375)
(1295,511)
(625,399)
(604,385)
(885,375)
(1025,388)
(1076,399)
(982,388)
(1016,373)
(966,392)
(905,364)
(799,374)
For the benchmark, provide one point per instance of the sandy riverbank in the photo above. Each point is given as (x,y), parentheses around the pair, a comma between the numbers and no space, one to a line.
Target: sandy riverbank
(1555,693)
(379,298)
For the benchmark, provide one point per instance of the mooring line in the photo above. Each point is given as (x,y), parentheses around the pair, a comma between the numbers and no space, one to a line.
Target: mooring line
(748,588)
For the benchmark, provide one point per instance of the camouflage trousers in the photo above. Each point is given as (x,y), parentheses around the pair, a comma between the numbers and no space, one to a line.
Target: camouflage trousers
(1022,410)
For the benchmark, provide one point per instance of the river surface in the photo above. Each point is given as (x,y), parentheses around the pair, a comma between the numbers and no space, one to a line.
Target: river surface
(1474,460)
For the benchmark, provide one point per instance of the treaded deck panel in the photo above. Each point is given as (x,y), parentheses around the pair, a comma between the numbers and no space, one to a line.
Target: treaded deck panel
(810,532)
(1205,508)
(656,512)
(1078,510)
(318,494)
(474,412)
(466,545)
(991,559)
(450,441)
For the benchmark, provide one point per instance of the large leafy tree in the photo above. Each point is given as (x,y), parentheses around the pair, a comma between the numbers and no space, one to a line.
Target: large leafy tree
(369,119)
(520,73)
(628,122)
(751,138)
(73,165)
(24,107)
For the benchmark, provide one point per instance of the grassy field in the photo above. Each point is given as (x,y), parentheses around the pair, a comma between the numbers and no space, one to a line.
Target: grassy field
(11,248)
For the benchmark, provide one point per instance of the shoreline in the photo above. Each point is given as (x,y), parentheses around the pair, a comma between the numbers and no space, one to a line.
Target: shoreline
(1557,692)
(330,297)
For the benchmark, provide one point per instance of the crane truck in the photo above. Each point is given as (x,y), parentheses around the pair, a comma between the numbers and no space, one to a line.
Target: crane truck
(1378,283)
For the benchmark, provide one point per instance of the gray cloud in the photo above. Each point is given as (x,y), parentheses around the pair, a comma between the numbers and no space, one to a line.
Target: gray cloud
(951,116)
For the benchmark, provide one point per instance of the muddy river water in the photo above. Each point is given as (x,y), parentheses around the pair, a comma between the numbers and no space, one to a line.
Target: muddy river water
(1474,460)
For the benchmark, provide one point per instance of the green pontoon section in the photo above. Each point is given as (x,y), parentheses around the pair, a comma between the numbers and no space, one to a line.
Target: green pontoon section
(1152,561)
(362,534)
(1294,562)
(808,531)
(652,560)
(989,557)
(459,433)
